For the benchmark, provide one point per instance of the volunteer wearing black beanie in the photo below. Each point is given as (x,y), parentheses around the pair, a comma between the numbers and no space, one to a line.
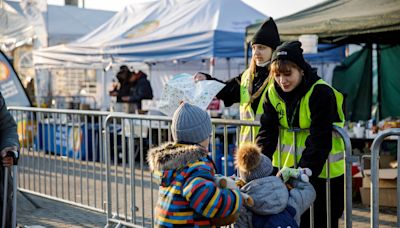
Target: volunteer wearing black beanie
(299,102)
(248,87)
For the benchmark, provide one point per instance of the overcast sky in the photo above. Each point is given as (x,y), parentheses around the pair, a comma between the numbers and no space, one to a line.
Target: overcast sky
(274,8)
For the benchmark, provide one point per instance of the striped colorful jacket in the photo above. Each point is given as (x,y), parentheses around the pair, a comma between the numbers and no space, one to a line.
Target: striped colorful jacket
(188,195)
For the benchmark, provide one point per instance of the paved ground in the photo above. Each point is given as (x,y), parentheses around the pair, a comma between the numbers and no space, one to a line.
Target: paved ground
(56,214)
(84,183)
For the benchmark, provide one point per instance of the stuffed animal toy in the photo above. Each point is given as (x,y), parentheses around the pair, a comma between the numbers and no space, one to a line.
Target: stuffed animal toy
(233,183)
(302,174)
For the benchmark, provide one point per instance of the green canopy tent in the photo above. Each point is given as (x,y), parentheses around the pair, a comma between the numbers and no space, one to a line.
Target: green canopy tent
(354,22)
(342,21)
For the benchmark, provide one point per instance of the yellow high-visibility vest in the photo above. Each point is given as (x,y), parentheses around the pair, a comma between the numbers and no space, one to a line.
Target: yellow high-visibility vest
(288,151)
(247,133)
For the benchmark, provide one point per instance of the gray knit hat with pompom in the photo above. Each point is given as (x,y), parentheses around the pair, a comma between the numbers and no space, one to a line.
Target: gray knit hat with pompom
(251,163)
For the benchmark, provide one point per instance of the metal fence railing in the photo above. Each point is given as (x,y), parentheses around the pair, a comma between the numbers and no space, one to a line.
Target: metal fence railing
(62,155)
(97,160)
(348,158)
(131,193)
(375,175)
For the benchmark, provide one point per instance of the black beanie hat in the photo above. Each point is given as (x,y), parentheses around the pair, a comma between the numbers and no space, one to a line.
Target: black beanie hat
(290,51)
(267,35)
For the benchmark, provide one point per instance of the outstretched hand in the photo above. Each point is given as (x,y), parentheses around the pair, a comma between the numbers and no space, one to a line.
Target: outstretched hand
(199,77)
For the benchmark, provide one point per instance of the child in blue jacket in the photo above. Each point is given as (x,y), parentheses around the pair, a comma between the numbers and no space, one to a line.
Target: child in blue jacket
(274,204)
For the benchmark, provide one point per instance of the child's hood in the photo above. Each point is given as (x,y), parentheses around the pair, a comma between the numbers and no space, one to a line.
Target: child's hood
(167,159)
(269,193)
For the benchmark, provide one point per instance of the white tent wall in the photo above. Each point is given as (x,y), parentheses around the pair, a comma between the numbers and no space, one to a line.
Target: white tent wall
(325,70)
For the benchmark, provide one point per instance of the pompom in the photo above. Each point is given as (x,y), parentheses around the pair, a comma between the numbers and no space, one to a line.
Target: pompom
(248,157)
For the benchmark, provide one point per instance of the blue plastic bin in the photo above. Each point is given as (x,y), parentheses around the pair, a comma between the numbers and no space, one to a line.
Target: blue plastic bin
(58,140)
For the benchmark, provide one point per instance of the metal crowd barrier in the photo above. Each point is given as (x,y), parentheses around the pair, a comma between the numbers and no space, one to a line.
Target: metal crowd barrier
(55,159)
(376,144)
(131,193)
(349,159)
(62,156)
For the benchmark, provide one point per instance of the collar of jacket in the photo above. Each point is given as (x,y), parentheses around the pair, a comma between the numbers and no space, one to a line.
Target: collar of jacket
(173,156)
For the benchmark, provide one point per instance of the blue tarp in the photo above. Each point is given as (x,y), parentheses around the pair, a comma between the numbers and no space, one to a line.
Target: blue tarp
(327,53)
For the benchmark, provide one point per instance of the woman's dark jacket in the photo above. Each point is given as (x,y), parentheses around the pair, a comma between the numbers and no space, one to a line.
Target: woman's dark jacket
(230,94)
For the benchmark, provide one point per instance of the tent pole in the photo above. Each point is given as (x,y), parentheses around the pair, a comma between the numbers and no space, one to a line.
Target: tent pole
(379,95)
(246,54)
(228,62)
(212,63)
(103,79)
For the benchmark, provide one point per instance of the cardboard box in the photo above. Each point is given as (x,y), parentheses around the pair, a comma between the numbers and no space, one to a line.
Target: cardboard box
(385,160)
(387,178)
(387,196)
(387,187)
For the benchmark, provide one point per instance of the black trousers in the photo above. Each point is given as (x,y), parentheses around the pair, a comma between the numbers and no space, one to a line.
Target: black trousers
(337,203)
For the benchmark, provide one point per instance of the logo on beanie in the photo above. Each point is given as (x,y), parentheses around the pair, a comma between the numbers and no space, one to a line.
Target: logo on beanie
(281,53)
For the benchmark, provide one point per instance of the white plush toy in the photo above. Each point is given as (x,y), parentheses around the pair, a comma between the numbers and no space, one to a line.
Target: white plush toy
(302,174)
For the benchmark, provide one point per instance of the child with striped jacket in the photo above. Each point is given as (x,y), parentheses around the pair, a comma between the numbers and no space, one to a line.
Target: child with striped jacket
(188,195)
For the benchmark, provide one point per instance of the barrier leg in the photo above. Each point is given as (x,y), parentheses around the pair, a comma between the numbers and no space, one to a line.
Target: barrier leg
(3,217)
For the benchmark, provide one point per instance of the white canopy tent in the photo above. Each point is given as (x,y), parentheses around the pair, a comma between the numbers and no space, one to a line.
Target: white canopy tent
(170,36)
(67,23)
(14,28)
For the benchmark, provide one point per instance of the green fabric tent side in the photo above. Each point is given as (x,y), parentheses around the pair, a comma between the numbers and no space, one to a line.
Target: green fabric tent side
(354,79)
(389,81)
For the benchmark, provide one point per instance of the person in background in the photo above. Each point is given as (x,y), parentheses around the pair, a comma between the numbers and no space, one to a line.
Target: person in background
(139,89)
(9,147)
(299,102)
(121,88)
(188,194)
(30,89)
(248,88)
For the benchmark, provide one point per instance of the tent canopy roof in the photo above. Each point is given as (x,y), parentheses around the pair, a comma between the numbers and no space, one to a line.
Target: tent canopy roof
(14,28)
(156,30)
(343,21)
(68,23)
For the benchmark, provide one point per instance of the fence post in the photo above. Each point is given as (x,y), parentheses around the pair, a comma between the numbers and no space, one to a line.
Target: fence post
(348,175)
(108,173)
(376,144)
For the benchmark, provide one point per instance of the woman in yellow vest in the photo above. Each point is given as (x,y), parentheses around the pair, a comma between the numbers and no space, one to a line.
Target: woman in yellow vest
(301,109)
(248,88)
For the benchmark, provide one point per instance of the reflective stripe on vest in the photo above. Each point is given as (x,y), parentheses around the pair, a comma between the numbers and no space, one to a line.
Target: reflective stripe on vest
(289,149)
(248,133)
(336,155)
